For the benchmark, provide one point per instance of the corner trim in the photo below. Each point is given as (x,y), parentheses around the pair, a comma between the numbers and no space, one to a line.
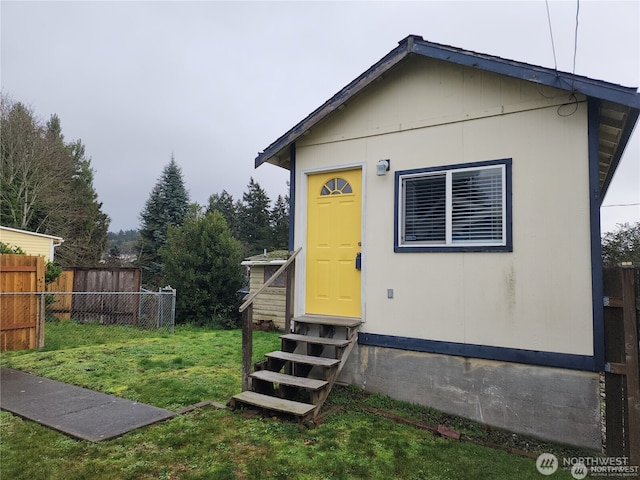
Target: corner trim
(593,119)
(292,195)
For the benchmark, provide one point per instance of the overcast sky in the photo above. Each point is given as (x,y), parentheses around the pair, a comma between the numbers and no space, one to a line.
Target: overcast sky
(215,83)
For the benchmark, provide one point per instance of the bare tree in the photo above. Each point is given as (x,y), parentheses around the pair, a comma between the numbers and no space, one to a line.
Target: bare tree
(46,184)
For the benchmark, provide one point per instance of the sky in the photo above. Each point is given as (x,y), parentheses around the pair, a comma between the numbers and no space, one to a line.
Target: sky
(214,83)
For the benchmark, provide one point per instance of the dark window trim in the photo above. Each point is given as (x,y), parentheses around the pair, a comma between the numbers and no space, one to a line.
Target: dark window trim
(508,247)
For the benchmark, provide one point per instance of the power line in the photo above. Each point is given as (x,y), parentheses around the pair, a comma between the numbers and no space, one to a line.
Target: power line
(621,205)
(553,47)
(575,37)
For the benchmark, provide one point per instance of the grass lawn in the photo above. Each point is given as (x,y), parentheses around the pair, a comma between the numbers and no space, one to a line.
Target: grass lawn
(192,365)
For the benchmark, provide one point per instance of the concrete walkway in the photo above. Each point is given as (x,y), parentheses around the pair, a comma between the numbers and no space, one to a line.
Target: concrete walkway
(78,412)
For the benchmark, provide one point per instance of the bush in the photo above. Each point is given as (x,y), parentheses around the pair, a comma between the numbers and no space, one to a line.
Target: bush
(202,262)
(622,245)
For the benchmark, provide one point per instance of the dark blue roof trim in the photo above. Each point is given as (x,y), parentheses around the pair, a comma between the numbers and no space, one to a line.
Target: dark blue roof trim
(388,61)
(524,71)
(413,44)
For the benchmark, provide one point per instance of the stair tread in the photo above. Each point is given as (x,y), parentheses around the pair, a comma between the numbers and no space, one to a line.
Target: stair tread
(283,379)
(306,359)
(335,342)
(274,403)
(333,321)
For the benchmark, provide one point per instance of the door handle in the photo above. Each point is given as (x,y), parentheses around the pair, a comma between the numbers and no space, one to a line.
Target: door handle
(359,261)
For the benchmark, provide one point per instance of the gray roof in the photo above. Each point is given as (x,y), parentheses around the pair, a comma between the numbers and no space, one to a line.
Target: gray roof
(619,106)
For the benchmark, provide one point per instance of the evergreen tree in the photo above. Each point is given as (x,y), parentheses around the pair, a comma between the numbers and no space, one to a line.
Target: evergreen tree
(280,223)
(167,205)
(113,258)
(201,260)
(622,245)
(224,204)
(86,225)
(254,221)
(125,240)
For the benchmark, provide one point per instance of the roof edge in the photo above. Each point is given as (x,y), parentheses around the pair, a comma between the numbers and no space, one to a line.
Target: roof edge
(415,44)
(355,86)
(17,230)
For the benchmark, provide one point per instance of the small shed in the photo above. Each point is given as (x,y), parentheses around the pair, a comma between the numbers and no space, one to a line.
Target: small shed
(269,307)
(31,243)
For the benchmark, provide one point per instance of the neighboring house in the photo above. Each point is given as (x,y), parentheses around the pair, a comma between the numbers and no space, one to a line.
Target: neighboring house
(31,243)
(269,307)
(450,199)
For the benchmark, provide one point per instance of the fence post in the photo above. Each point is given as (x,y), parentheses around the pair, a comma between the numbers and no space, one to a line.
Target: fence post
(173,310)
(622,377)
(630,320)
(247,345)
(41,321)
(159,309)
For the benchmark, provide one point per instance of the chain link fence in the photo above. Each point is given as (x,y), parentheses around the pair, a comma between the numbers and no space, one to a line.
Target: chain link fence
(67,319)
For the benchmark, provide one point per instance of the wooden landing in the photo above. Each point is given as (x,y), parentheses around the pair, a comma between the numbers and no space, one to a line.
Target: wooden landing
(331,321)
(274,403)
(332,342)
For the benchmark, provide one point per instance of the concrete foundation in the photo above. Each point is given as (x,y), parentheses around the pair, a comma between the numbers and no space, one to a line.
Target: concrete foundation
(551,404)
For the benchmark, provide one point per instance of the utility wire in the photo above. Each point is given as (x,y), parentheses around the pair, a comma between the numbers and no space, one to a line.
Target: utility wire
(621,205)
(575,37)
(553,47)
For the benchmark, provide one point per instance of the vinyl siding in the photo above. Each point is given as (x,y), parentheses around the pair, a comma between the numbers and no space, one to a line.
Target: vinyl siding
(428,113)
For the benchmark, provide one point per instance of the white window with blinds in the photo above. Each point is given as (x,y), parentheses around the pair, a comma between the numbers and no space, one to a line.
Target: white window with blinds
(456,207)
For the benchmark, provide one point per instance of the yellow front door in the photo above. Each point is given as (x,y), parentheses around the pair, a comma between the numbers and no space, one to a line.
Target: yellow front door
(333,242)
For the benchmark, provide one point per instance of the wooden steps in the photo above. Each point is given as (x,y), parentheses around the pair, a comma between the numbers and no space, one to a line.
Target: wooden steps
(274,403)
(304,359)
(289,380)
(310,360)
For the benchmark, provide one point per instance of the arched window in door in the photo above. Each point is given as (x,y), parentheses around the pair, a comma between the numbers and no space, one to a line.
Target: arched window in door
(336,186)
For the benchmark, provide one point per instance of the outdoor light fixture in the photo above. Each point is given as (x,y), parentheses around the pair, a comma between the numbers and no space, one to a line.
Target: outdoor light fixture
(383,167)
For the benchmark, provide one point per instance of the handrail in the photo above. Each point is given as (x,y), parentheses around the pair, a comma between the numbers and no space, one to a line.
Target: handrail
(247,318)
(268,283)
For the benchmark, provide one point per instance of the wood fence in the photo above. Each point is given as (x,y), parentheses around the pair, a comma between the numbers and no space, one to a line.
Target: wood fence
(108,309)
(622,377)
(21,325)
(60,307)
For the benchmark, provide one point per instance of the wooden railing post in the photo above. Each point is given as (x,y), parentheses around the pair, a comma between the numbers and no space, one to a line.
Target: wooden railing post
(247,345)
(290,287)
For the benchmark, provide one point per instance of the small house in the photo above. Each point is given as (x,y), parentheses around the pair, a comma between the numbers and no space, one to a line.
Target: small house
(269,307)
(31,243)
(450,202)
